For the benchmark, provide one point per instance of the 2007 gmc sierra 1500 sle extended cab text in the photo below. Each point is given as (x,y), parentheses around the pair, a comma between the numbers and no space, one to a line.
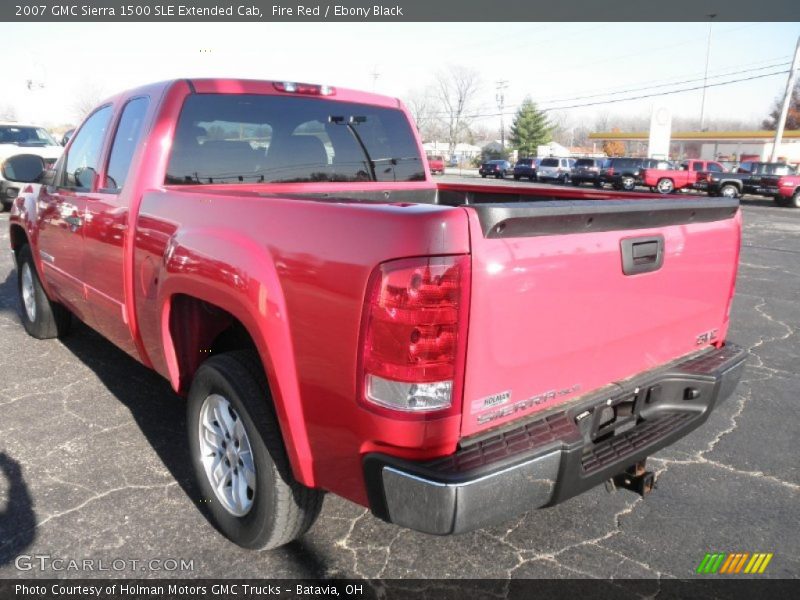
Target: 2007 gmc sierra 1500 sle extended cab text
(447,355)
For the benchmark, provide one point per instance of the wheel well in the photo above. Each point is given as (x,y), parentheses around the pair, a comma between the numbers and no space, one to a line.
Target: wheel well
(18,238)
(199,330)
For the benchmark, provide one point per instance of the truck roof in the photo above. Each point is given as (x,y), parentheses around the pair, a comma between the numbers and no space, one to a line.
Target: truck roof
(256,86)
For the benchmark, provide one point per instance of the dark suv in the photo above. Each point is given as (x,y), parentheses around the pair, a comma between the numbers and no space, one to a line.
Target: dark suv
(624,173)
(525,167)
(587,170)
(495,168)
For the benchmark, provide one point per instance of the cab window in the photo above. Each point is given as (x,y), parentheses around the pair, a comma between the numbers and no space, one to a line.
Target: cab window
(82,162)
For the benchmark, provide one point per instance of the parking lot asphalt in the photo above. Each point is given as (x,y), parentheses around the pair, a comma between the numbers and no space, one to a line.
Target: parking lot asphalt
(94,465)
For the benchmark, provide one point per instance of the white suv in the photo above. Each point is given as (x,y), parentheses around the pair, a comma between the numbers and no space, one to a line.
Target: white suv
(16,138)
(556,169)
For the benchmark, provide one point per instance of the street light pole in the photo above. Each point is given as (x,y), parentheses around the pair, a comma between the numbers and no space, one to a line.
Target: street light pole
(787,100)
(705,76)
(500,97)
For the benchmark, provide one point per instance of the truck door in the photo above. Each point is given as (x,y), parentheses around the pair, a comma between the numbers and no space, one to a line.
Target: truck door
(62,212)
(107,213)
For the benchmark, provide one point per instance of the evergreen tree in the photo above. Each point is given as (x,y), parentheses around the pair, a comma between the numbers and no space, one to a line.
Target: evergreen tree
(530,129)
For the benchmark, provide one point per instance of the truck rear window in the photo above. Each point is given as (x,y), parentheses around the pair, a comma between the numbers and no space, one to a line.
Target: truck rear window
(549,162)
(227,138)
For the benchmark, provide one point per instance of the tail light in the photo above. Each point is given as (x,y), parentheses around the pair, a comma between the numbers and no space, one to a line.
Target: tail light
(610,171)
(304,88)
(413,343)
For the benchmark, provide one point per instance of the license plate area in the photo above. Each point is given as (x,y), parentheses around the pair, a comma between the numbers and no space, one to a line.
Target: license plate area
(616,416)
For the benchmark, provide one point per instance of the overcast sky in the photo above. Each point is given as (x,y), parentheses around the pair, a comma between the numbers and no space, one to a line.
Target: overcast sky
(550,62)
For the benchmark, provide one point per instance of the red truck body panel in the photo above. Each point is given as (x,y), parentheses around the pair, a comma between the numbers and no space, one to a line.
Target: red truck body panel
(291,262)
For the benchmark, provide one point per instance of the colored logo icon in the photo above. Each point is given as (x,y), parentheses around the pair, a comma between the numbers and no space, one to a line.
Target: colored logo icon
(734,563)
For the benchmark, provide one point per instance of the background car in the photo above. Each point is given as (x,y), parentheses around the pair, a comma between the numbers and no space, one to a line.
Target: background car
(436,164)
(587,170)
(495,168)
(624,173)
(16,138)
(556,169)
(525,167)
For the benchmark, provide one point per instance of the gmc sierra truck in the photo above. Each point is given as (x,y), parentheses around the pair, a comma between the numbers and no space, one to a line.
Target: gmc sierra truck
(448,355)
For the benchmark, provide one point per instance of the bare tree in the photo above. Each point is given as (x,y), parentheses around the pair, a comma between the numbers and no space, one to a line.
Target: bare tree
(8,113)
(423,107)
(456,90)
(88,99)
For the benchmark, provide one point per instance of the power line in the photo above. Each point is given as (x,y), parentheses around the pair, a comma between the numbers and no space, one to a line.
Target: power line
(641,97)
(662,85)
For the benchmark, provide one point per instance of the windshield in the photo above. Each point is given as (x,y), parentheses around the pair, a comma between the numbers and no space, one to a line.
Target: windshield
(25,136)
(226,138)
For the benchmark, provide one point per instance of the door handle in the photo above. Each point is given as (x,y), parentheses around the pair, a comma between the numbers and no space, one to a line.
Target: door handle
(642,255)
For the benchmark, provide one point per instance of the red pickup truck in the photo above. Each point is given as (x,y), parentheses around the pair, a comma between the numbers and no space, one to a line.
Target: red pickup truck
(784,189)
(666,181)
(447,355)
(436,164)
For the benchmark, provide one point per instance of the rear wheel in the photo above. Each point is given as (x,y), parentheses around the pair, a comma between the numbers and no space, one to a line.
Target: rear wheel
(41,318)
(576,183)
(598,184)
(665,186)
(239,458)
(483,175)
(533,177)
(517,177)
(794,201)
(729,191)
(628,183)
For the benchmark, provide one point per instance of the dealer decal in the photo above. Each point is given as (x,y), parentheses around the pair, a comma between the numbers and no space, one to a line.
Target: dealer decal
(491,401)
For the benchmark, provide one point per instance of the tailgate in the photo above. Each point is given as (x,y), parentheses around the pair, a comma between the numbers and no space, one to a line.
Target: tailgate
(553,314)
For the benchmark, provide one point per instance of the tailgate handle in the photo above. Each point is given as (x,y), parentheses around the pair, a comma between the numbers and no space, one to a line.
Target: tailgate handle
(642,255)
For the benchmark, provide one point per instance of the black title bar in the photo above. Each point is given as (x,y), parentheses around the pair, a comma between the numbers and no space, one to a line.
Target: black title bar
(399,10)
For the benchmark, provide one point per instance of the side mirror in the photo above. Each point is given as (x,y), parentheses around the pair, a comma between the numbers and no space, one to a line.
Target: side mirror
(23,168)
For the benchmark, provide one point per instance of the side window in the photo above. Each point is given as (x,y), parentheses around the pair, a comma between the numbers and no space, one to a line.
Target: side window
(125,141)
(83,159)
(697,166)
(714,168)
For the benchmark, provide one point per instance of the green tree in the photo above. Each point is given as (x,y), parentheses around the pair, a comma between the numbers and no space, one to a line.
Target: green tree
(530,129)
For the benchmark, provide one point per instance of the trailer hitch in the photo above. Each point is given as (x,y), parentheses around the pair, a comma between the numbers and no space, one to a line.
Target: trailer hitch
(635,478)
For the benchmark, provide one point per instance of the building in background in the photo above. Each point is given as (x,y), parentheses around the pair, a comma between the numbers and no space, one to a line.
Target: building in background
(710,145)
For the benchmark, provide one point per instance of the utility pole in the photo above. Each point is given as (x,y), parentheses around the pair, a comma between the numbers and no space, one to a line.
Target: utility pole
(705,76)
(787,100)
(500,97)
(375,75)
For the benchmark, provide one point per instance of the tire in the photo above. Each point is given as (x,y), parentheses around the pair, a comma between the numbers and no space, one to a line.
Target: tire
(729,190)
(499,176)
(532,177)
(576,183)
(793,202)
(482,175)
(628,183)
(41,318)
(5,207)
(598,184)
(517,177)
(566,180)
(277,509)
(665,186)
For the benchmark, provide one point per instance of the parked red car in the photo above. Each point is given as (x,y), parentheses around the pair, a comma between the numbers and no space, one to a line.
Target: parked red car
(436,164)
(666,181)
(448,355)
